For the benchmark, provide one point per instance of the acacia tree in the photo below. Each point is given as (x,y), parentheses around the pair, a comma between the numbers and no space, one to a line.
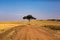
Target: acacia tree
(29,17)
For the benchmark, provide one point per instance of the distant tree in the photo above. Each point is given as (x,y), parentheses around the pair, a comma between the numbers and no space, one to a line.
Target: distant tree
(29,17)
(24,17)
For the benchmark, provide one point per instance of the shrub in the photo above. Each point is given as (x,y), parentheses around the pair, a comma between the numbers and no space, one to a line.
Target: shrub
(52,27)
(53,19)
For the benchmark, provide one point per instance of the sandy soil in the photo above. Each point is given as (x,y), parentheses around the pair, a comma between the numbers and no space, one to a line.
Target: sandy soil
(27,32)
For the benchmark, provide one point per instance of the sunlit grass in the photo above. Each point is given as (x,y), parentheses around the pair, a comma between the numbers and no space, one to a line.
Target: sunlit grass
(46,25)
(7,25)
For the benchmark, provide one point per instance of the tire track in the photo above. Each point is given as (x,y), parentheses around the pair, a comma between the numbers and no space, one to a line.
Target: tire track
(49,34)
(29,32)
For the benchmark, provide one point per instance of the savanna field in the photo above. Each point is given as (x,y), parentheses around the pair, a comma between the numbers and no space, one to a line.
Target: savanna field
(37,30)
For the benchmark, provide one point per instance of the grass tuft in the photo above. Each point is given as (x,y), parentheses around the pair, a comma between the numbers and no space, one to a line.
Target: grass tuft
(53,27)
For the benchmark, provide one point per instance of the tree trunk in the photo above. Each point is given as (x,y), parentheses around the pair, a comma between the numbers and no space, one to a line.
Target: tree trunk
(29,21)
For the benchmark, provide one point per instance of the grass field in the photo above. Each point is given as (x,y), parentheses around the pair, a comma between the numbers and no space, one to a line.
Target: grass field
(46,25)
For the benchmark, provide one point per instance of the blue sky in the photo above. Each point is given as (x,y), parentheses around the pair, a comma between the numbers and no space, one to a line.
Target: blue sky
(11,10)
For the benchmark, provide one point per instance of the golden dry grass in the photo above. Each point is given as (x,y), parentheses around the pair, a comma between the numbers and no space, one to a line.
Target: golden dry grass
(8,25)
(4,26)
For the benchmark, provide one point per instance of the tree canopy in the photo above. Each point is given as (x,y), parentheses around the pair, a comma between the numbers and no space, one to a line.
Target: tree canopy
(29,17)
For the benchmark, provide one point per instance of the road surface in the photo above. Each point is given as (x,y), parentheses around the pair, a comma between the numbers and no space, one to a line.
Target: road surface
(27,32)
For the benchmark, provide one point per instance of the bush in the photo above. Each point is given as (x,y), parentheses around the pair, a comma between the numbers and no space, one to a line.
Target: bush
(52,27)
(53,19)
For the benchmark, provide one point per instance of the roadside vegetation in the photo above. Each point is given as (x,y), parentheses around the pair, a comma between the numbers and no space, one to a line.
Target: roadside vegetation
(52,27)
(53,19)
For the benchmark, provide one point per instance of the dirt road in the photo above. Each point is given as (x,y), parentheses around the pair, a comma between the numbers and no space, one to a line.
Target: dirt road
(27,32)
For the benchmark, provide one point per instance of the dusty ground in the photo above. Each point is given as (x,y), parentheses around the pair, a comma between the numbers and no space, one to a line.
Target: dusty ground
(28,32)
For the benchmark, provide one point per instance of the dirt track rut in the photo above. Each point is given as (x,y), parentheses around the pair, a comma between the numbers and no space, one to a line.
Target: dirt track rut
(28,32)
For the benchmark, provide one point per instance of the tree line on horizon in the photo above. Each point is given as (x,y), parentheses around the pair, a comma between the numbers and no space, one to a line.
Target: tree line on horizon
(30,17)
